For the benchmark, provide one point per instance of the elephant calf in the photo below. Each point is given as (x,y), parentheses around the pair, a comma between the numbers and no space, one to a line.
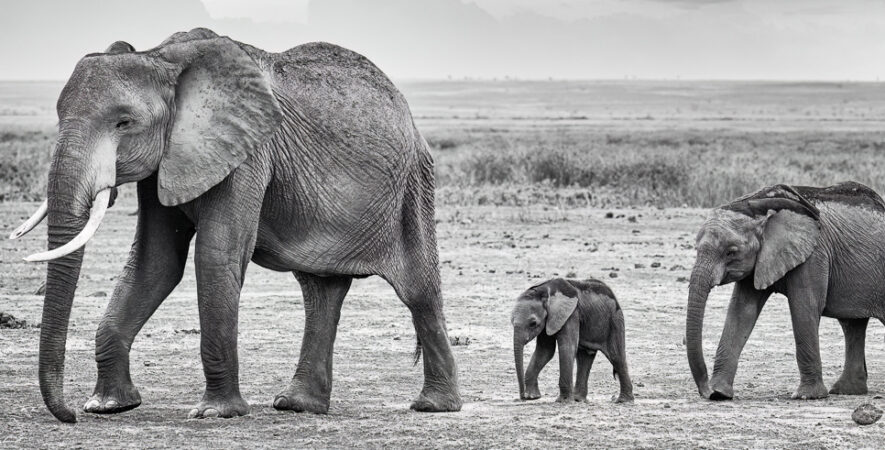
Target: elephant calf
(822,247)
(581,317)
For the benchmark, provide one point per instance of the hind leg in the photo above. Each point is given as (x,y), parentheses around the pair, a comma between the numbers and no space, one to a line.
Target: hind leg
(419,290)
(311,387)
(854,374)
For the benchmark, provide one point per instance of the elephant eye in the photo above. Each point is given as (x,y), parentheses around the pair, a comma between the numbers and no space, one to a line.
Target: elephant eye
(124,124)
(731,252)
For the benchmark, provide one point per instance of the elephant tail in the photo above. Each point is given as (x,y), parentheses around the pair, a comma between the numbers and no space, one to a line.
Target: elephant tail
(418,350)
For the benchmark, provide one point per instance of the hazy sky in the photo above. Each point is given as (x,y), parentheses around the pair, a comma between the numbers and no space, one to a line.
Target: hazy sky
(706,39)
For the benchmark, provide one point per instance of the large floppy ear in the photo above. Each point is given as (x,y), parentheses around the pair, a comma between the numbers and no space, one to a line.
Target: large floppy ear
(562,299)
(788,238)
(224,110)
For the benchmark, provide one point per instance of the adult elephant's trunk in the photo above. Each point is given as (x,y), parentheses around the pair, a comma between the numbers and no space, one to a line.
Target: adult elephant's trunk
(702,281)
(518,346)
(74,212)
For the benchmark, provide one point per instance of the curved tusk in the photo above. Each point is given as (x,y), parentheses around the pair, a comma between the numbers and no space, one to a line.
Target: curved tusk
(32,221)
(99,206)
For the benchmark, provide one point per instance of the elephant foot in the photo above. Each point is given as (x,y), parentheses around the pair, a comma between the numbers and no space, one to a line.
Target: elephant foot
(565,398)
(436,401)
(624,398)
(120,400)
(853,387)
(230,407)
(580,398)
(532,393)
(300,401)
(810,391)
(720,391)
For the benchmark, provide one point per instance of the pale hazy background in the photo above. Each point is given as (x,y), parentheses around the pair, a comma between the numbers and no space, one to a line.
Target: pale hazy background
(432,39)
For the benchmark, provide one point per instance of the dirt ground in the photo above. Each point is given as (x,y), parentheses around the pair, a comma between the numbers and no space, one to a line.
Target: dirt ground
(488,256)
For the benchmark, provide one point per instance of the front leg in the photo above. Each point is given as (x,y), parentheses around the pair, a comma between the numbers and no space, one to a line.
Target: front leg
(743,311)
(567,342)
(545,347)
(807,297)
(156,264)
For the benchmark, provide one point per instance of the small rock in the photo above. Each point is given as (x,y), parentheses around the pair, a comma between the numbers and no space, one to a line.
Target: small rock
(41,290)
(682,279)
(571,275)
(677,267)
(639,266)
(667,405)
(636,231)
(631,219)
(396,338)
(148,363)
(878,396)
(655,265)
(613,275)
(609,215)
(98,294)
(866,414)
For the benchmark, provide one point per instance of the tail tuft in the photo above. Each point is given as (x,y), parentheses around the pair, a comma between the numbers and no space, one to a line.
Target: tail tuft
(418,349)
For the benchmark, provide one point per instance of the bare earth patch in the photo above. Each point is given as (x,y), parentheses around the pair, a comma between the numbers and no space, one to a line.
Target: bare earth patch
(488,256)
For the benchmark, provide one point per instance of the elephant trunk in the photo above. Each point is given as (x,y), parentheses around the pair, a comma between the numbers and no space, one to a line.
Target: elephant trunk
(73,213)
(700,285)
(518,346)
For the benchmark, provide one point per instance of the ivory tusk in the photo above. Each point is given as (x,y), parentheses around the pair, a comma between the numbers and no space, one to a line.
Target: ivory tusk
(99,206)
(32,221)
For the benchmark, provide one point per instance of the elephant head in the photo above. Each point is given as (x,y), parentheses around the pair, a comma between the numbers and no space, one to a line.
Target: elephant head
(190,110)
(763,236)
(542,308)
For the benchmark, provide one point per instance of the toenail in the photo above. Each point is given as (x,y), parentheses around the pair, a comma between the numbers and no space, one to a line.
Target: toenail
(281,402)
(211,412)
(112,404)
(193,414)
(91,404)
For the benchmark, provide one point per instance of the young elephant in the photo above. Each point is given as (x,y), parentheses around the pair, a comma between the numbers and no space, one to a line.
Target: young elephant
(581,318)
(823,248)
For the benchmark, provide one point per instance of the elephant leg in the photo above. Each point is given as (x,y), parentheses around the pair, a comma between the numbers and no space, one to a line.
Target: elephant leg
(585,359)
(545,347)
(567,343)
(805,312)
(223,250)
(156,264)
(854,375)
(743,311)
(311,387)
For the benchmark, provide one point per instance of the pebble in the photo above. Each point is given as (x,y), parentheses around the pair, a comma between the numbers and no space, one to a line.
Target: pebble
(866,414)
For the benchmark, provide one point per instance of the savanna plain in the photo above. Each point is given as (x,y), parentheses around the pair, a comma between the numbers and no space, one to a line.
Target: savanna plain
(604,179)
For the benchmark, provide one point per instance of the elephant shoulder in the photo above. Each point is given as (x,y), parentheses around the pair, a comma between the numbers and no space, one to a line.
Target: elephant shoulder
(848,193)
(595,287)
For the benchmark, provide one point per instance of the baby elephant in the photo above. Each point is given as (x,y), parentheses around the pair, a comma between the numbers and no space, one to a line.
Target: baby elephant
(581,317)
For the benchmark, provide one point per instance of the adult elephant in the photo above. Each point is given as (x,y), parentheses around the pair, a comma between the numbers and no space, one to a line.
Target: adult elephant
(305,161)
(823,248)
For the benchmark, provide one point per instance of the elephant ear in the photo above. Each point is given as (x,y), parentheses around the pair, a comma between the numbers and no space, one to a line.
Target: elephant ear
(562,299)
(788,239)
(224,110)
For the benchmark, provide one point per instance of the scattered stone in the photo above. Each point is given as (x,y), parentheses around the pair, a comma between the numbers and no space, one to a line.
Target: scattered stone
(613,275)
(682,279)
(458,340)
(667,406)
(677,267)
(571,275)
(866,414)
(655,265)
(639,266)
(396,338)
(9,321)
(631,219)
(609,215)
(636,231)
(148,364)
(98,294)
(878,396)
(190,331)
(41,290)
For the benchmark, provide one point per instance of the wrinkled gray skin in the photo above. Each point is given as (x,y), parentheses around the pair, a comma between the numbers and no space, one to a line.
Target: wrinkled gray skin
(578,317)
(823,248)
(304,161)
